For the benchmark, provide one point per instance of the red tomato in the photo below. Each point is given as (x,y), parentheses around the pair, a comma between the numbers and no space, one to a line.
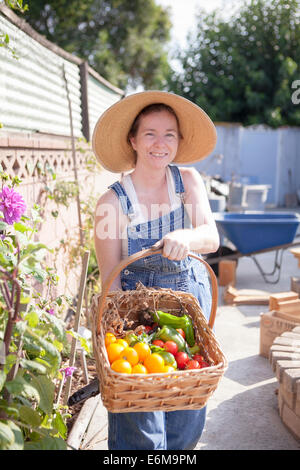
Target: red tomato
(192,364)
(198,357)
(203,364)
(181,332)
(147,328)
(171,347)
(182,359)
(158,342)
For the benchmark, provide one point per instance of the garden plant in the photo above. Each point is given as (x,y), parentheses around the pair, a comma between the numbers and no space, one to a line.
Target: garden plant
(32,333)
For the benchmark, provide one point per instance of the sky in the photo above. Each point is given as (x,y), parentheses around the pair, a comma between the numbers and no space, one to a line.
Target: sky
(183,13)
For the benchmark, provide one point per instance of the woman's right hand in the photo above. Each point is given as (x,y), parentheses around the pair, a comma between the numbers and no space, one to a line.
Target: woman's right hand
(175,245)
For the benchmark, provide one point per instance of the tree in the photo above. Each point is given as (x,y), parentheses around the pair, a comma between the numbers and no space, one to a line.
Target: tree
(243,70)
(123,40)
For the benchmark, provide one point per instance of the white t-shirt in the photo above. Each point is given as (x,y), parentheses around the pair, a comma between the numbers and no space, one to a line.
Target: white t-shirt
(138,216)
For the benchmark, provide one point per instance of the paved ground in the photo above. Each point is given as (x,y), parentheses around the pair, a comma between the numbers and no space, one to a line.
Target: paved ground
(242,414)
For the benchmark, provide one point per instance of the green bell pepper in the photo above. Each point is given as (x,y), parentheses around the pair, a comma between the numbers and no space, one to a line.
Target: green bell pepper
(184,322)
(168,333)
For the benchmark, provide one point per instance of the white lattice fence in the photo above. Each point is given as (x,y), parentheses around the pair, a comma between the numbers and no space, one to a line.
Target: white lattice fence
(28,158)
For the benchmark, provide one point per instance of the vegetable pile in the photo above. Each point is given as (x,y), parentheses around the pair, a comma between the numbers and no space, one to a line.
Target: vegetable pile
(161,343)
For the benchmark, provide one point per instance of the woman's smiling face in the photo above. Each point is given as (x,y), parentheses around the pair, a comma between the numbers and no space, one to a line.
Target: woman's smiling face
(156,141)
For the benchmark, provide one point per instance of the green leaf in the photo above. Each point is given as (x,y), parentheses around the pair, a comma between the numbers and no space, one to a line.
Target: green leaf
(59,425)
(43,362)
(49,348)
(10,360)
(33,366)
(22,227)
(10,409)
(47,443)
(31,346)
(20,386)
(46,389)
(30,416)
(2,378)
(57,325)
(83,342)
(7,437)
(46,345)
(39,274)
(25,299)
(18,443)
(33,319)
(33,247)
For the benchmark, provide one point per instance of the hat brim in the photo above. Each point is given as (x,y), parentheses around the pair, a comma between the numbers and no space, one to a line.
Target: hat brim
(110,143)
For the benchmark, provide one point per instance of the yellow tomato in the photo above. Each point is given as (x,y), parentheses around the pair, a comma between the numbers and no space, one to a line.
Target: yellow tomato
(109,338)
(168,368)
(154,363)
(121,366)
(114,350)
(139,369)
(122,341)
(130,355)
(143,350)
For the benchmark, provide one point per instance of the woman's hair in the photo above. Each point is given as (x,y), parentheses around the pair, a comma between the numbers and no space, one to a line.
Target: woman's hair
(151,108)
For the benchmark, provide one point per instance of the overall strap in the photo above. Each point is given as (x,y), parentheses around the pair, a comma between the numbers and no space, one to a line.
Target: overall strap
(179,187)
(123,198)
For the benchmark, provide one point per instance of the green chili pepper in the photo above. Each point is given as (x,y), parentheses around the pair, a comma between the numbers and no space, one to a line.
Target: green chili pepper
(184,322)
(168,333)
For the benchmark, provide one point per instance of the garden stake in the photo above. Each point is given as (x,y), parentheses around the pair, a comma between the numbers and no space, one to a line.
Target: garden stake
(77,321)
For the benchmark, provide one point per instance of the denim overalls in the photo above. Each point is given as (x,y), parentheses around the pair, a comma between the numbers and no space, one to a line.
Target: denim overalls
(174,430)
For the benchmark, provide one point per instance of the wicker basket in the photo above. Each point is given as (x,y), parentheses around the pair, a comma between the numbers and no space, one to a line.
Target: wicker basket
(178,390)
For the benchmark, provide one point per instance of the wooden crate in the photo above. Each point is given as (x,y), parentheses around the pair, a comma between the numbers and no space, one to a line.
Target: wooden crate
(271,326)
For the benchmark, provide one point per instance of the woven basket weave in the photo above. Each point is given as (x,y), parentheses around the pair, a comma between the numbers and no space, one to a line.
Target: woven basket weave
(178,390)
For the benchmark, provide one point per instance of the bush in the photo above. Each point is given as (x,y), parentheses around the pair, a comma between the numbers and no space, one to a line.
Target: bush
(32,335)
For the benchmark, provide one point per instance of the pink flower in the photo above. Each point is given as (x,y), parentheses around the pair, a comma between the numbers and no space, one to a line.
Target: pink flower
(12,205)
(51,311)
(68,371)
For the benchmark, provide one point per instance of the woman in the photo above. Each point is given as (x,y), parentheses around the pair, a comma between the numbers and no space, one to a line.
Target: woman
(156,203)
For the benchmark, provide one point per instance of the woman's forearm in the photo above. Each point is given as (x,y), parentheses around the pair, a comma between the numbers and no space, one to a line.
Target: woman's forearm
(204,239)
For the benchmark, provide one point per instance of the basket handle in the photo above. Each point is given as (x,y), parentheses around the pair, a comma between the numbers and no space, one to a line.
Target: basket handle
(142,254)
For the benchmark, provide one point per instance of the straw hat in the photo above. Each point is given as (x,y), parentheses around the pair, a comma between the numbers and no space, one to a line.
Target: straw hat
(115,153)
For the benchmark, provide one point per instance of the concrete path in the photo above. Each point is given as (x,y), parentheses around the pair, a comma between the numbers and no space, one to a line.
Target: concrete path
(243,413)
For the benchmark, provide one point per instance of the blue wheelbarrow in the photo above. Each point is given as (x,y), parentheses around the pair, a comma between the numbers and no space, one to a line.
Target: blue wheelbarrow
(254,233)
